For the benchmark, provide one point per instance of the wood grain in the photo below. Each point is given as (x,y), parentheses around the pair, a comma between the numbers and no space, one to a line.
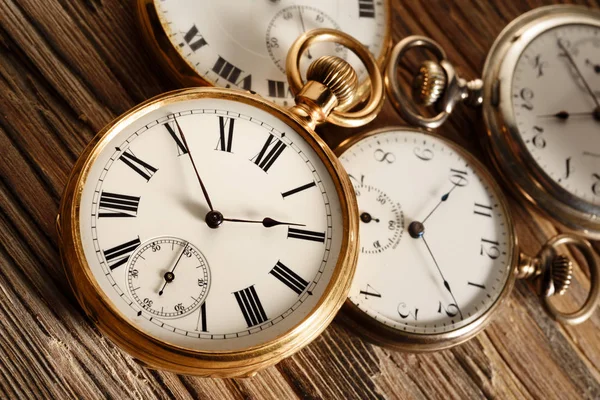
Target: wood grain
(67,68)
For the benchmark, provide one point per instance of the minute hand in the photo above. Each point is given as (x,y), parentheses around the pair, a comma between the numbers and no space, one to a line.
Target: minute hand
(587,86)
(446,284)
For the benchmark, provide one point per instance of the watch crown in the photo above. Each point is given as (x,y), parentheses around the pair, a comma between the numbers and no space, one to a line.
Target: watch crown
(429,83)
(337,75)
(562,273)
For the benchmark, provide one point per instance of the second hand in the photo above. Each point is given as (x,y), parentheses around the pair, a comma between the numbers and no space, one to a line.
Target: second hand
(171,273)
(304,30)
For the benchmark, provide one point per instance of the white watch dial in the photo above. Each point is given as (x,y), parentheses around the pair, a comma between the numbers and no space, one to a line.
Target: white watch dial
(244,44)
(556,103)
(231,286)
(453,258)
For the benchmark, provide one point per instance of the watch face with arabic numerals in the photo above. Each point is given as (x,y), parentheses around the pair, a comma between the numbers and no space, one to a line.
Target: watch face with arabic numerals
(244,44)
(436,243)
(241,275)
(556,105)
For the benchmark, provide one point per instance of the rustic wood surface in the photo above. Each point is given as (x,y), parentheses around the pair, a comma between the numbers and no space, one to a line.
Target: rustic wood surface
(67,68)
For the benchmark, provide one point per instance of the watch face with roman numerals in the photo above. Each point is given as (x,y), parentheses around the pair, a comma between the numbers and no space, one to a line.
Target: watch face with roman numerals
(555,98)
(238,276)
(436,243)
(243,44)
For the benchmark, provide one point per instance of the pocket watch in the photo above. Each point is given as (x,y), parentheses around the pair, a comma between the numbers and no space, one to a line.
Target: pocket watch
(243,44)
(540,95)
(208,231)
(438,248)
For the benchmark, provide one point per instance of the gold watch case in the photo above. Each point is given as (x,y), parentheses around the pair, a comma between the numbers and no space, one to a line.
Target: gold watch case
(179,69)
(332,79)
(163,355)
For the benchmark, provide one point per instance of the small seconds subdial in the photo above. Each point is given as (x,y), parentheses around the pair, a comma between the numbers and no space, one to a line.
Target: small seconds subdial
(168,277)
(290,23)
(381,220)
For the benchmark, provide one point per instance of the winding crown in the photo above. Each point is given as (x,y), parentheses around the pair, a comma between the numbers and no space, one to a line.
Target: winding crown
(429,83)
(562,273)
(337,75)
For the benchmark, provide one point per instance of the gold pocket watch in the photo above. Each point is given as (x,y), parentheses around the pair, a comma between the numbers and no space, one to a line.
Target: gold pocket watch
(540,96)
(438,247)
(243,44)
(210,232)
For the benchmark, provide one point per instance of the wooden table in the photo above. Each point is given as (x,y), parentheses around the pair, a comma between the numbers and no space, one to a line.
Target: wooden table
(67,68)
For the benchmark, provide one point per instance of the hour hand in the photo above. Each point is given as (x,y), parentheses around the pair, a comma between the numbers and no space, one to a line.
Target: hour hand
(267,222)
(189,151)
(565,115)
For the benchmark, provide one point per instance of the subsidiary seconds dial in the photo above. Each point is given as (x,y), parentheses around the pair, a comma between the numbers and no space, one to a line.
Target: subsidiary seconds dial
(168,277)
(293,21)
(381,219)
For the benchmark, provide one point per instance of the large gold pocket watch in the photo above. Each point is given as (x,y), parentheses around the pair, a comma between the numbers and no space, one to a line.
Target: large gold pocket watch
(243,44)
(540,96)
(438,248)
(210,232)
